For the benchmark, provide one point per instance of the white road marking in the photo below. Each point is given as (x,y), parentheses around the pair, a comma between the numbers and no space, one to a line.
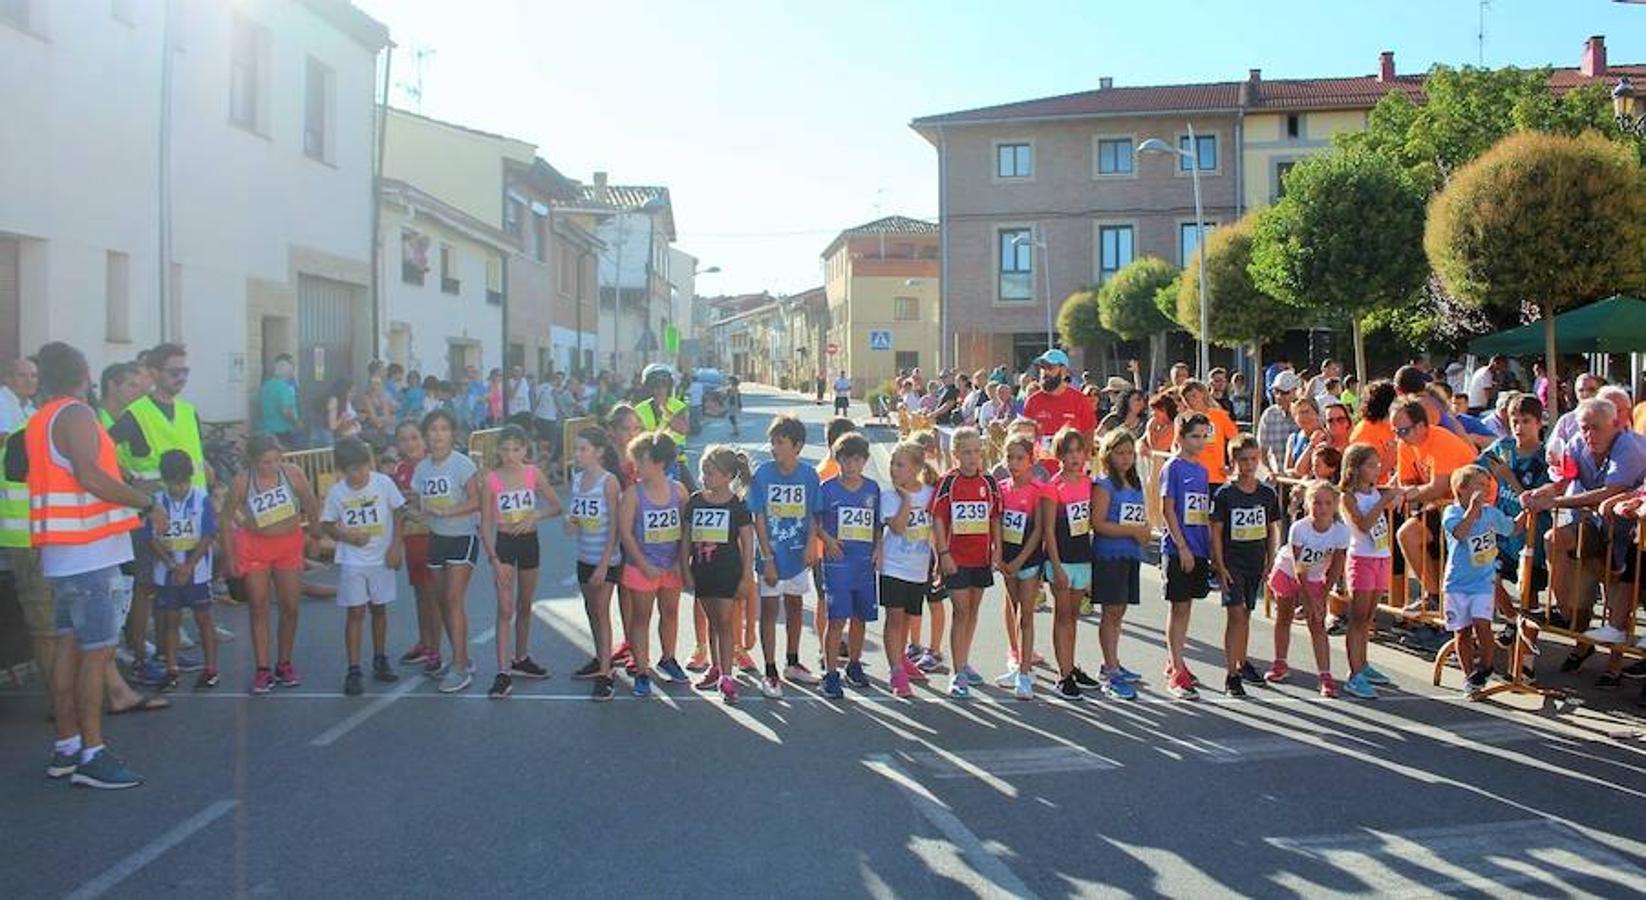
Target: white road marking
(1015,761)
(151,851)
(383,701)
(987,875)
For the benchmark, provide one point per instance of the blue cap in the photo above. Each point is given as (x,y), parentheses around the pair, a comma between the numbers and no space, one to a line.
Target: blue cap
(1053,357)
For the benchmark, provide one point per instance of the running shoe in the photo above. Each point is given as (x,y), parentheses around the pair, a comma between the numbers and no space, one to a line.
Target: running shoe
(642,686)
(1609,681)
(433,666)
(958,687)
(1606,634)
(1359,686)
(1575,659)
(1375,677)
(1506,636)
(912,652)
(1067,689)
(1278,672)
(1233,685)
(1128,675)
(286,675)
(502,686)
(856,676)
(699,661)
(671,671)
(190,661)
(1182,686)
(1036,659)
(105,771)
(1007,678)
(354,683)
(62,765)
(710,679)
(1250,674)
(623,655)
(149,673)
(937,657)
(1116,687)
(603,689)
(927,661)
(1328,686)
(831,686)
(456,679)
(381,672)
(414,655)
(771,688)
(914,673)
(262,682)
(900,684)
(169,683)
(1474,687)
(590,669)
(207,679)
(526,667)
(728,689)
(1638,670)
(799,674)
(1081,678)
(745,662)
(1024,686)
(972,676)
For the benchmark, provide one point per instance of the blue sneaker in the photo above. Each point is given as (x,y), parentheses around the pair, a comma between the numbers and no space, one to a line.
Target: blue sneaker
(958,687)
(149,673)
(1374,676)
(831,686)
(671,670)
(1116,687)
(190,661)
(1359,686)
(62,765)
(973,678)
(1127,675)
(105,772)
(856,675)
(642,686)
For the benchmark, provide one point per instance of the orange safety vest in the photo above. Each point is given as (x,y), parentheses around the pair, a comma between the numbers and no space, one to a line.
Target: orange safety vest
(61,510)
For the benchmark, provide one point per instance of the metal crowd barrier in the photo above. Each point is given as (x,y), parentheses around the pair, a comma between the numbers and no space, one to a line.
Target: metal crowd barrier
(318,466)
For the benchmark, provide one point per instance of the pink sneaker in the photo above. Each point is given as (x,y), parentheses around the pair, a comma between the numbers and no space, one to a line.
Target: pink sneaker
(728,688)
(262,682)
(900,683)
(286,675)
(912,672)
(1278,672)
(1328,686)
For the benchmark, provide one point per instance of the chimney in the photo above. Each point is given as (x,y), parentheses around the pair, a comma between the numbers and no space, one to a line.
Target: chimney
(600,192)
(1254,75)
(1594,57)
(1105,83)
(1386,66)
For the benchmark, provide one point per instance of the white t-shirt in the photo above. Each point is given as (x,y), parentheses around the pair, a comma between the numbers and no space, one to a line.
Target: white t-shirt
(907,557)
(842,387)
(545,408)
(1480,387)
(694,394)
(520,400)
(13,412)
(369,509)
(1313,548)
(1373,543)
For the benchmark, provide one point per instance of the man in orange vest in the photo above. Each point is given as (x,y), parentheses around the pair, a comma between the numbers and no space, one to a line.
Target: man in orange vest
(80,517)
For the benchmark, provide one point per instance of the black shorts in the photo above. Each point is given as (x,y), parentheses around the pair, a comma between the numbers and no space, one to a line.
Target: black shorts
(895,593)
(967,577)
(1115,582)
(446,551)
(1182,586)
(842,405)
(518,550)
(1243,588)
(715,582)
(585,572)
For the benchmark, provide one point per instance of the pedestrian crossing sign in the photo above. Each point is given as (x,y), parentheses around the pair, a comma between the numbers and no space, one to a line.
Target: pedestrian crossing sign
(880,340)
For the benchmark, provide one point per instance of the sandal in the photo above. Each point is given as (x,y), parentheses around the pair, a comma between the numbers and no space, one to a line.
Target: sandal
(146,704)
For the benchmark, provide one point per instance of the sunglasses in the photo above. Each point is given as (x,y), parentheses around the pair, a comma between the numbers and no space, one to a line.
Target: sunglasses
(1404,431)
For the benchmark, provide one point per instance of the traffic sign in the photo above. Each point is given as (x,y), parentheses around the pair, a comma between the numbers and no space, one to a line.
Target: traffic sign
(880,340)
(833,348)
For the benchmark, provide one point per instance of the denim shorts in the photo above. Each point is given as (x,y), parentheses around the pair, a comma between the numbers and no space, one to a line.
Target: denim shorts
(88,606)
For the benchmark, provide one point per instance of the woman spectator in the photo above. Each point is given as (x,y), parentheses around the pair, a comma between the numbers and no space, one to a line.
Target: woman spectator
(1131,413)
(337,414)
(494,397)
(1373,427)
(1162,428)
(1306,413)
(1240,398)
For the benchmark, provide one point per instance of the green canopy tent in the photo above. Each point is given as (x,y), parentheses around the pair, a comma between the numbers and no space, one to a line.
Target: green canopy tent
(1616,324)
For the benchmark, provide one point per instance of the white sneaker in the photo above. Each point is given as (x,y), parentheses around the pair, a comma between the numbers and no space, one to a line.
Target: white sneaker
(1025,686)
(771,688)
(1006,679)
(1606,634)
(799,674)
(224,635)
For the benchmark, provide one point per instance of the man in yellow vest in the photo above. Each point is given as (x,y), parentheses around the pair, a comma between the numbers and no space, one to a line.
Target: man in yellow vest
(149,427)
(665,413)
(81,516)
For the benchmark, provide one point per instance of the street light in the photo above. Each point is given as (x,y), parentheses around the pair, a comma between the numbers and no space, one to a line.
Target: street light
(1156,145)
(1046,266)
(1627,109)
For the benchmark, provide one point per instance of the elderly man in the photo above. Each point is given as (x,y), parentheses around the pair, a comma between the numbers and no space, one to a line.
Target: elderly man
(22,380)
(1603,461)
(1425,458)
(1584,387)
(1276,426)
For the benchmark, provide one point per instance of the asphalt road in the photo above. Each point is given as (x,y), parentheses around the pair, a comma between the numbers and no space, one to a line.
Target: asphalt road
(411,793)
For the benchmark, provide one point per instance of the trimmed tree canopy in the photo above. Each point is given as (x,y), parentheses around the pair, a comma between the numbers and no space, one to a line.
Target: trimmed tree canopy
(1237,311)
(1126,303)
(1077,320)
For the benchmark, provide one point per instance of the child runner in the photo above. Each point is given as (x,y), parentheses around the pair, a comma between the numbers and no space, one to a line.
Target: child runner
(1472,525)
(1246,522)
(1311,559)
(595,497)
(1069,554)
(649,522)
(448,496)
(784,498)
(719,543)
(362,515)
(623,426)
(414,538)
(850,520)
(515,501)
(1121,530)
(966,534)
(270,500)
(1025,508)
(928,657)
(182,565)
(905,557)
(830,468)
(1365,511)
(1185,546)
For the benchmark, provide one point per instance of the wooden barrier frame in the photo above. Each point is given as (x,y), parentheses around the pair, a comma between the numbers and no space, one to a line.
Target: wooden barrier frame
(569,430)
(318,465)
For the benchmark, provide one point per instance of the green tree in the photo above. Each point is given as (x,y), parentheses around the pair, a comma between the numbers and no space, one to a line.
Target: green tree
(1238,311)
(1126,305)
(1079,326)
(1541,219)
(1346,239)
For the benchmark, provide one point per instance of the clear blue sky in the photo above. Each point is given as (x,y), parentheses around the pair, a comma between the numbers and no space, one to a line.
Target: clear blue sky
(776,123)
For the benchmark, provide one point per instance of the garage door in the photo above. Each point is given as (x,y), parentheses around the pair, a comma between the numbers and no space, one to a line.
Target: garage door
(326,313)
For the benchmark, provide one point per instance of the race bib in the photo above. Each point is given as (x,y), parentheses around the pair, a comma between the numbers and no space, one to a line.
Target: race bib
(920,526)
(1380,534)
(1309,557)
(437,494)
(855,523)
(660,526)
(180,535)
(1132,514)
(1196,509)
(1248,523)
(711,526)
(786,501)
(1014,523)
(363,514)
(273,506)
(516,506)
(1080,517)
(1483,550)
(970,516)
(588,513)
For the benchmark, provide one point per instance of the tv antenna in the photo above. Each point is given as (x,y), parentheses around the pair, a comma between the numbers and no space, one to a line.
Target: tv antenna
(1480,34)
(412,89)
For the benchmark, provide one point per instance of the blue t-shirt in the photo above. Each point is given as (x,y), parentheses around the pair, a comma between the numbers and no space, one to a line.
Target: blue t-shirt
(278,396)
(1184,485)
(788,502)
(853,519)
(1473,425)
(1471,564)
(1531,471)
(1126,507)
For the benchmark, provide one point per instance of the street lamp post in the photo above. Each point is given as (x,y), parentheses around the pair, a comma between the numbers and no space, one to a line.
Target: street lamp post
(1156,145)
(1046,268)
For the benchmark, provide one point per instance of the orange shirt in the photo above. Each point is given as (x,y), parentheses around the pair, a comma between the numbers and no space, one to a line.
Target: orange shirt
(829,469)
(1216,455)
(1441,453)
(1382,436)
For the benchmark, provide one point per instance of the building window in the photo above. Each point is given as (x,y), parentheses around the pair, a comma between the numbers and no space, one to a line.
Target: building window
(906,309)
(1281,170)
(1014,161)
(448,270)
(117,293)
(494,281)
(1114,249)
(1294,125)
(1114,156)
(512,210)
(414,256)
(246,73)
(1016,265)
(318,92)
(907,360)
(1187,240)
(1205,152)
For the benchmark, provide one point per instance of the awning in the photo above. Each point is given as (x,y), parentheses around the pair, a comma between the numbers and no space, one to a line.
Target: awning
(1616,324)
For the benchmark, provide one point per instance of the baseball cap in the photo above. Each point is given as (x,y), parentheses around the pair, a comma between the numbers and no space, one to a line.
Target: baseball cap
(1053,357)
(1117,384)
(1287,381)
